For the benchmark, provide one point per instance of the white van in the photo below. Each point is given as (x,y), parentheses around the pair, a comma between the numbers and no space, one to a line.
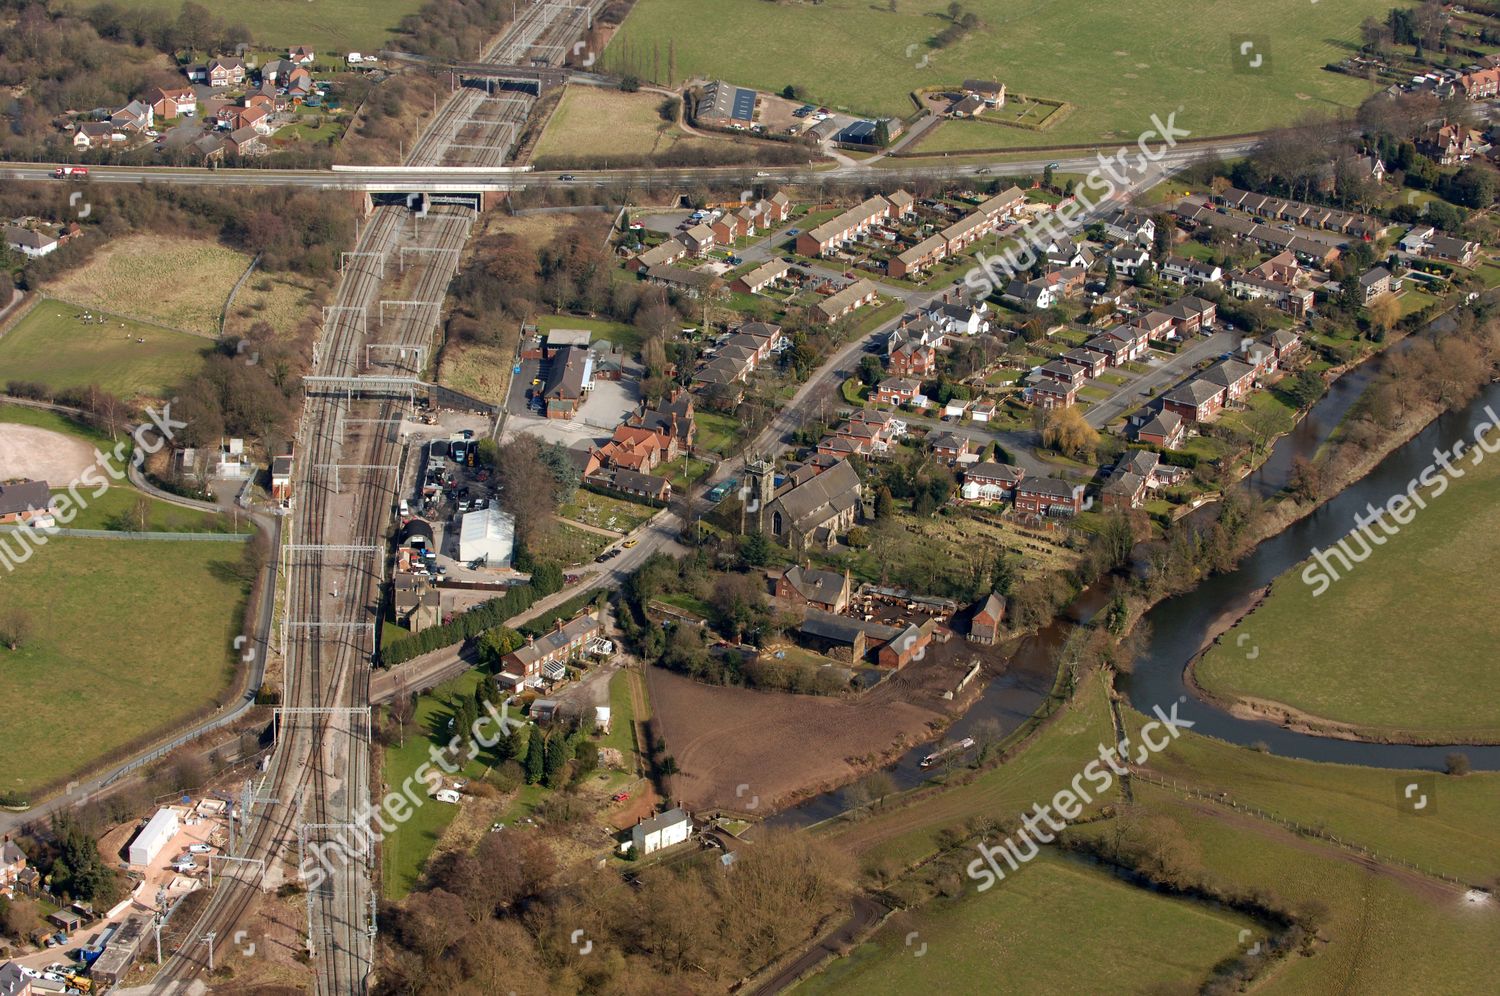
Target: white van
(405,507)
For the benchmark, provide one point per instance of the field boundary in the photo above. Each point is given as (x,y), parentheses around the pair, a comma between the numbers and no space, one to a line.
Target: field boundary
(1301,829)
(16,312)
(148,322)
(229,301)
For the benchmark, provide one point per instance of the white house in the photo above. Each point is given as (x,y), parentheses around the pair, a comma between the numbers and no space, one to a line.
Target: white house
(154,836)
(663,830)
(29,243)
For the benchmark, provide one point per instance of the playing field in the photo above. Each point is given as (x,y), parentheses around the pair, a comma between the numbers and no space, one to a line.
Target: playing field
(131,639)
(1403,644)
(1117,63)
(338,26)
(591,121)
(53,345)
(1054,927)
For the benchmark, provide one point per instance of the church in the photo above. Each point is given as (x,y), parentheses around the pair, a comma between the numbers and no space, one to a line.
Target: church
(816,503)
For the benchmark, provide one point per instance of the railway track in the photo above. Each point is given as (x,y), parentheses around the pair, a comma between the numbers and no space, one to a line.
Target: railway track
(320,774)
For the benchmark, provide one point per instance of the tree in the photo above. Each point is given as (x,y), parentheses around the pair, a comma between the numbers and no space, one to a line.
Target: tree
(1066,431)
(556,760)
(885,503)
(755,550)
(535,760)
(16,627)
(1456,763)
(870,369)
(1384,312)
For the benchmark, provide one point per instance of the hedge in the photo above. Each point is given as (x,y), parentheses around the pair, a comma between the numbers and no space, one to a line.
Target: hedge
(486,615)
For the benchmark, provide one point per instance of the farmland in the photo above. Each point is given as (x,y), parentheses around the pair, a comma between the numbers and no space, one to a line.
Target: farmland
(1056,927)
(54,346)
(1117,63)
(132,637)
(337,26)
(1338,656)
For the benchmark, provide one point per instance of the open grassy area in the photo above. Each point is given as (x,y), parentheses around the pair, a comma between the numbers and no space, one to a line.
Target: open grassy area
(1403,642)
(118,509)
(405,851)
(52,345)
(1117,63)
(332,26)
(591,121)
(55,421)
(131,640)
(129,276)
(567,545)
(717,432)
(1096,933)
(606,512)
(482,371)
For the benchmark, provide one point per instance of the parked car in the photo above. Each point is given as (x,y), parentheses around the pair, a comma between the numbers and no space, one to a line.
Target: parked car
(621,796)
(199,848)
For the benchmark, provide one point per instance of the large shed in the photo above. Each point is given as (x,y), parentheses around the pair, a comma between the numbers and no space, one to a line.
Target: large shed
(488,535)
(154,836)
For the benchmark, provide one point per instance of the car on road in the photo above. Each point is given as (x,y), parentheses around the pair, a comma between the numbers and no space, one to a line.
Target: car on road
(794,231)
(200,848)
(620,796)
(566,177)
(983,170)
(629,543)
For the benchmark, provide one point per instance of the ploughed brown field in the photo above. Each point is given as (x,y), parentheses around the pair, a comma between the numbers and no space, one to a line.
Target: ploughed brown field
(785,747)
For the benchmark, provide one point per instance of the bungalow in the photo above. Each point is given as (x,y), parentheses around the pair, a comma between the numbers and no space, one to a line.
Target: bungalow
(968,106)
(763,276)
(912,359)
(1446,247)
(954,447)
(817,589)
(1164,430)
(985,622)
(630,482)
(22,501)
(836,306)
(1191,272)
(1198,400)
(1048,496)
(897,391)
(1047,393)
(29,243)
(989,482)
(690,282)
(172,102)
(835,233)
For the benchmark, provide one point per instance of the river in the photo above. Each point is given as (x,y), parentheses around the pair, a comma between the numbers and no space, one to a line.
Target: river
(1179,625)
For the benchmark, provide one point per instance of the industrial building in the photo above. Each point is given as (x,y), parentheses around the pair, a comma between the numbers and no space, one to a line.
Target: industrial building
(488,535)
(154,836)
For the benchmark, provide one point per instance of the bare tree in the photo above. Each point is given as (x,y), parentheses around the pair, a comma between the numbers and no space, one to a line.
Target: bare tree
(16,628)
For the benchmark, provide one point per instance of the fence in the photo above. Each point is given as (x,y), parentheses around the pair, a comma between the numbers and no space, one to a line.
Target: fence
(1318,833)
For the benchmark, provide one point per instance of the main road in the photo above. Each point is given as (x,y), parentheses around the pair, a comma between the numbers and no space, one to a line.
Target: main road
(378,179)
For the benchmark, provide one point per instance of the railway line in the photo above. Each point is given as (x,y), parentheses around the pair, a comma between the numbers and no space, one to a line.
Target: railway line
(318,785)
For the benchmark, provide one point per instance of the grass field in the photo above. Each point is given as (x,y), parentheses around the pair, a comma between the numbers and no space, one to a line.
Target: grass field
(116,509)
(483,371)
(332,26)
(53,346)
(1056,927)
(132,638)
(55,421)
(405,851)
(626,337)
(128,277)
(591,121)
(605,512)
(1403,931)
(1117,63)
(1404,642)
(567,545)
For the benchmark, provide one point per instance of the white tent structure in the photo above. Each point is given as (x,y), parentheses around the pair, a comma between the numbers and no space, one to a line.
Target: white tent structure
(489,535)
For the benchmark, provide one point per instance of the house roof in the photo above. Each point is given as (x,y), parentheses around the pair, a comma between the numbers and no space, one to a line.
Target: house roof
(1227,372)
(951,441)
(991,610)
(766,272)
(845,629)
(554,641)
(991,471)
(1164,424)
(1195,392)
(856,291)
(650,825)
(864,211)
(824,587)
(18,236)
(24,496)
(1049,486)
(1373,276)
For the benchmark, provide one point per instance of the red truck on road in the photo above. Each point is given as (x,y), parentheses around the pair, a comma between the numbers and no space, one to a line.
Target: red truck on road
(64,172)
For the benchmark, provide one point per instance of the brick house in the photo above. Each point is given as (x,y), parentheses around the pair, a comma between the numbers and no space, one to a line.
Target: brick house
(823,590)
(1164,430)
(912,359)
(1196,401)
(897,391)
(1048,393)
(1048,496)
(989,483)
